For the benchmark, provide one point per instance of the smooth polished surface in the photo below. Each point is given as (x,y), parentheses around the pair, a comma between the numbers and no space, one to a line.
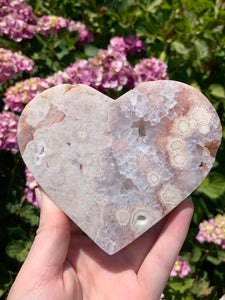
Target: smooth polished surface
(116,167)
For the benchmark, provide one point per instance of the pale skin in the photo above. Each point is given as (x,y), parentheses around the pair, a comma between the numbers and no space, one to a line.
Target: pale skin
(64,264)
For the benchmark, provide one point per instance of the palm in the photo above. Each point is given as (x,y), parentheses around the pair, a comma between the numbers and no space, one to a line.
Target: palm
(64,264)
(101,276)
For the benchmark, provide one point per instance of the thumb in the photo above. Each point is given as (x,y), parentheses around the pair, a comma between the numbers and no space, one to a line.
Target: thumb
(51,243)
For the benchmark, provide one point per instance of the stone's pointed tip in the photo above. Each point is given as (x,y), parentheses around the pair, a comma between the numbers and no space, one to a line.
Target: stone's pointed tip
(117,167)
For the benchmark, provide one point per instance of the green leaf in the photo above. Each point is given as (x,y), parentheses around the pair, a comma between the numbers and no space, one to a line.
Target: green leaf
(182,286)
(196,254)
(213,185)
(200,286)
(62,53)
(18,249)
(151,7)
(201,49)
(214,260)
(12,207)
(16,233)
(91,50)
(30,214)
(217,90)
(179,47)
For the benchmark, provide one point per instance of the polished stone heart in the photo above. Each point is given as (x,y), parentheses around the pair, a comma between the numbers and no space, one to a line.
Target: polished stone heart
(118,167)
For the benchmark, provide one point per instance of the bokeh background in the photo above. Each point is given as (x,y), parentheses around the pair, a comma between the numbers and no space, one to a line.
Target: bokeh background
(112,45)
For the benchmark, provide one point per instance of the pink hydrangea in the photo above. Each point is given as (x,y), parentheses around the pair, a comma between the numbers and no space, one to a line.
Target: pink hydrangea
(23,92)
(213,231)
(85,36)
(116,71)
(57,78)
(107,70)
(12,63)
(133,44)
(130,43)
(48,24)
(150,69)
(8,131)
(80,72)
(31,184)
(180,268)
(16,19)
(117,44)
(110,68)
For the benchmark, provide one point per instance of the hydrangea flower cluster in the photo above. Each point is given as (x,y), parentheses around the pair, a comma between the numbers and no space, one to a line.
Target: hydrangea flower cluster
(12,63)
(85,36)
(110,69)
(130,43)
(105,71)
(48,24)
(180,268)
(16,20)
(213,231)
(8,131)
(22,92)
(31,184)
(150,69)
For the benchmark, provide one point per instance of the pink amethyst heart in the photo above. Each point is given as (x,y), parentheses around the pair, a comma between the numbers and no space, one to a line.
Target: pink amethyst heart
(118,167)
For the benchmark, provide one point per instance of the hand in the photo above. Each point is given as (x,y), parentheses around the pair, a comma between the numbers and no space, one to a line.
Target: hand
(64,264)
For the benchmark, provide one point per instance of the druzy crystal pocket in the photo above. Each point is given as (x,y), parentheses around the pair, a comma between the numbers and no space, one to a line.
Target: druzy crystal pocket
(116,167)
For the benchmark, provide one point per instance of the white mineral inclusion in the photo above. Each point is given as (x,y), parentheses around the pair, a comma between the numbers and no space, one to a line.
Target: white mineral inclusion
(201,116)
(180,160)
(122,216)
(170,194)
(204,129)
(154,178)
(176,145)
(185,126)
(118,167)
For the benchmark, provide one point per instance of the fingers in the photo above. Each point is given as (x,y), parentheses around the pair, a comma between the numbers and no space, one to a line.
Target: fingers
(51,243)
(156,268)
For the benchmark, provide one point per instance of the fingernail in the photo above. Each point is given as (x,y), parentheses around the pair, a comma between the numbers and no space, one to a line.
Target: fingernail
(38,196)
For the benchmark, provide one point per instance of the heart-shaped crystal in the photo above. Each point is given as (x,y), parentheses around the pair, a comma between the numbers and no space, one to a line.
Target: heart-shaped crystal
(118,167)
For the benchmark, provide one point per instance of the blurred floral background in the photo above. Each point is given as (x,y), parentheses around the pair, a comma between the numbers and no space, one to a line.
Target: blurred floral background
(112,46)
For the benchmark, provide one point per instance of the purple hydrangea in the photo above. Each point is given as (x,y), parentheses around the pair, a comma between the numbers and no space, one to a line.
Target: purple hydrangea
(12,63)
(213,231)
(180,268)
(8,131)
(16,20)
(31,184)
(23,92)
(150,69)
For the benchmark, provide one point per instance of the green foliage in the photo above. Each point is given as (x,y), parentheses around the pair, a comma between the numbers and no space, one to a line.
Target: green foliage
(189,35)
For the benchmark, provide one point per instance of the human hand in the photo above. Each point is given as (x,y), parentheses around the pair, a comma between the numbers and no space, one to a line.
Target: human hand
(63,264)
